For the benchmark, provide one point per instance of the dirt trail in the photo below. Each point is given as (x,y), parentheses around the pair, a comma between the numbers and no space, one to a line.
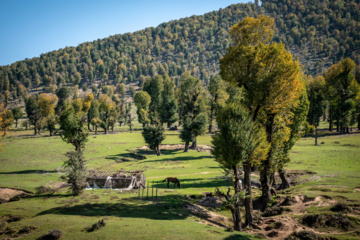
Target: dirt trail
(10,194)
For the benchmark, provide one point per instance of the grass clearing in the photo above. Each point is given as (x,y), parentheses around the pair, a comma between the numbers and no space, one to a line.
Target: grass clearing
(29,162)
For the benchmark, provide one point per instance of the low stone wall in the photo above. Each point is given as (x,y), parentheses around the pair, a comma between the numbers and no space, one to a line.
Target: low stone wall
(115,183)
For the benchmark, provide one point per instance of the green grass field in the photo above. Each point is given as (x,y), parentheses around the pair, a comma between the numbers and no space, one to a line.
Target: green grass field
(28,162)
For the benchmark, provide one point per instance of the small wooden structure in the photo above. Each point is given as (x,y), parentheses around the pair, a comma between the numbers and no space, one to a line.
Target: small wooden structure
(115,179)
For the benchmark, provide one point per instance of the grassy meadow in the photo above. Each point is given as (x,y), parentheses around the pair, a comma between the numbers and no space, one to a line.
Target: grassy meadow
(28,162)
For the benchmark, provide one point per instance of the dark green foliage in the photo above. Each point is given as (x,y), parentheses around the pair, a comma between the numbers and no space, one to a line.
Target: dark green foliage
(75,171)
(17,114)
(101,223)
(63,94)
(342,90)
(193,115)
(154,135)
(154,87)
(52,235)
(316,95)
(169,107)
(33,112)
(73,128)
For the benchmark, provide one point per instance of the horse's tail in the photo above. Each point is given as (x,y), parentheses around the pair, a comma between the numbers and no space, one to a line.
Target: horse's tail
(164,180)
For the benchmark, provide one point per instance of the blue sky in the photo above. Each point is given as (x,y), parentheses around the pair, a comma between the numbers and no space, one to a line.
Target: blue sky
(31,27)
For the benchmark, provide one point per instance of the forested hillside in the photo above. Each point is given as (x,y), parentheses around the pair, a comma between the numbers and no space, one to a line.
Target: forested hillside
(319,33)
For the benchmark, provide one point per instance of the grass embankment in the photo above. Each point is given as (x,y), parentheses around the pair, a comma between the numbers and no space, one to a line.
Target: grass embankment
(29,162)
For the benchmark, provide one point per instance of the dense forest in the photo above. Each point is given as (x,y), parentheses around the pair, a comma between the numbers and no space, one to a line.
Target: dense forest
(319,33)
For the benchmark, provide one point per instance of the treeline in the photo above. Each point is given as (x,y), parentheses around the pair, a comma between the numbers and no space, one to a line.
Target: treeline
(319,33)
(192,44)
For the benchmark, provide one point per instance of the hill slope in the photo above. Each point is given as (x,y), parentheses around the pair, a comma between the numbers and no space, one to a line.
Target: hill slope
(318,32)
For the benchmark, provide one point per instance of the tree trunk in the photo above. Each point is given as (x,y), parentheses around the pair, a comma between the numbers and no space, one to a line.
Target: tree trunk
(237,218)
(211,118)
(237,185)
(89,126)
(266,169)
(337,126)
(51,132)
(186,147)
(168,125)
(316,137)
(16,122)
(272,179)
(265,187)
(35,129)
(106,130)
(158,153)
(248,199)
(285,184)
(95,130)
(236,212)
(194,145)
(143,125)
(330,121)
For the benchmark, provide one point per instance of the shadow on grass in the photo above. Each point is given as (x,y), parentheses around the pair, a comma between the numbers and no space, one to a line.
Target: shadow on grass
(183,158)
(237,237)
(195,183)
(168,207)
(29,172)
(126,157)
(51,195)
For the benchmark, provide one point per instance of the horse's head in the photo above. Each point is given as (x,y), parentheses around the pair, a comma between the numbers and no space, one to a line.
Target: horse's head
(179,185)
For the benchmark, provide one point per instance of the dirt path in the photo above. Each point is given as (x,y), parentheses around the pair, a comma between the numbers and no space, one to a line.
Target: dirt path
(10,194)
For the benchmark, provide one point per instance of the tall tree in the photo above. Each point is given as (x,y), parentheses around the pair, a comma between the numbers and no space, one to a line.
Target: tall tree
(240,141)
(93,113)
(193,110)
(18,114)
(287,134)
(73,131)
(268,75)
(105,108)
(218,96)
(315,91)
(169,107)
(33,112)
(154,135)
(154,87)
(5,123)
(47,104)
(341,81)
(142,101)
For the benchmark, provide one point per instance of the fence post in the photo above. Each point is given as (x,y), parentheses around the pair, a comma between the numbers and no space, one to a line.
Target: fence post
(152,190)
(147,190)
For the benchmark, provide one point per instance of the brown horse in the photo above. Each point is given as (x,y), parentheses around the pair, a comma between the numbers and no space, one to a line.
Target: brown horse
(172,180)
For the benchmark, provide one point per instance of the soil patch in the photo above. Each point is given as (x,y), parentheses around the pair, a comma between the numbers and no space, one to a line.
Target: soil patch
(337,221)
(200,148)
(11,194)
(208,217)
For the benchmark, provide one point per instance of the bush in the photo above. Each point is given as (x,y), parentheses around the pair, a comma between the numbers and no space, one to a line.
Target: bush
(101,223)
(52,235)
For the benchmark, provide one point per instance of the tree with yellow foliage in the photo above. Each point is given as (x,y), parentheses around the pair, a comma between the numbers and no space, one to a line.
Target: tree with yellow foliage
(268,77)
(47,104)
(105,108)
(5,122)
